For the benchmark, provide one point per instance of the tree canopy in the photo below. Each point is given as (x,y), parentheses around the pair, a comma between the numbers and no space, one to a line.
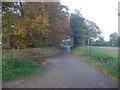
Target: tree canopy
(27,24)
(83,29)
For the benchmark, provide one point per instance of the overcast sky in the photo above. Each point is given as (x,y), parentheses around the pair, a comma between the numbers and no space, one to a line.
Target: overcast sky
(102,12)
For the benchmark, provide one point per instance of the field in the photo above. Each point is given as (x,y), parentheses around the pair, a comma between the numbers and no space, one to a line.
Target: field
(111,50)
(103,58)
(16,63)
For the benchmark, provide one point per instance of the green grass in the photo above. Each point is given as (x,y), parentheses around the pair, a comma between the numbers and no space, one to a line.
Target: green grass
(102,60)
(13,68)
(17,64)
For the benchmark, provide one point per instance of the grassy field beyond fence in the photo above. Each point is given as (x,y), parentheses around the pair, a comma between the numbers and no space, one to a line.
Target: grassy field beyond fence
(17,64)
(104,61)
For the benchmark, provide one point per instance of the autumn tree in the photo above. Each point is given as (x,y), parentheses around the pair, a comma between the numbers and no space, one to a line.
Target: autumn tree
(59,23)
(8,21)
(28,24)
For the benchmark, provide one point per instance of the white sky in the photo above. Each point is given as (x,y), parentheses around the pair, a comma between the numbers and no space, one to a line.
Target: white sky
(102,12)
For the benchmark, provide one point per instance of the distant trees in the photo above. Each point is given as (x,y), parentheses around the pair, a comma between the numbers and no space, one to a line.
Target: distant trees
(99,42)
(114,39)
(27,24)
(84,30)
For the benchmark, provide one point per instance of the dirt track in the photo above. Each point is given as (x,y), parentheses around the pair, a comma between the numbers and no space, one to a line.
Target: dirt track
(65,71)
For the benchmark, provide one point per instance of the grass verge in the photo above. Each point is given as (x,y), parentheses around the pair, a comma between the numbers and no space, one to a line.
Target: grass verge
(13,68)
(103,61)
(17,64)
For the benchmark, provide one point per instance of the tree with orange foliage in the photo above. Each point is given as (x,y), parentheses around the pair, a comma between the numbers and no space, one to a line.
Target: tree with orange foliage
(35,24)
